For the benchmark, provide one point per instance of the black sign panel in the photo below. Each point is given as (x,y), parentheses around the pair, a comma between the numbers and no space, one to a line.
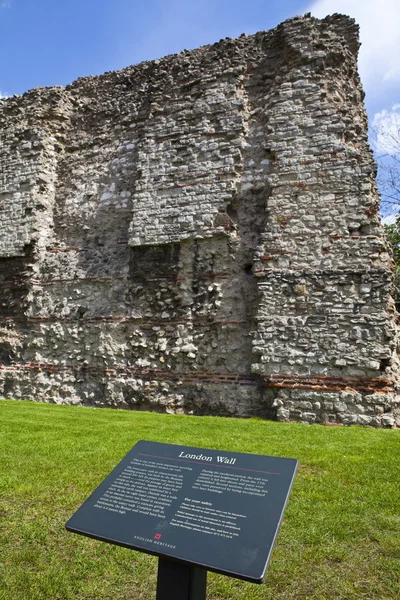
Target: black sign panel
(209,508)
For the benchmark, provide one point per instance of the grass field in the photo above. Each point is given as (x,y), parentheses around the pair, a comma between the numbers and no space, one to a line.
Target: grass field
(340,538)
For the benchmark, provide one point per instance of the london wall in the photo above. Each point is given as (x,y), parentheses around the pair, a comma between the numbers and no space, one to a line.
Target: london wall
(200,234)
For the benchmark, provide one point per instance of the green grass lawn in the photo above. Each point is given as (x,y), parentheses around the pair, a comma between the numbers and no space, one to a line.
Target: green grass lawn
(340,538)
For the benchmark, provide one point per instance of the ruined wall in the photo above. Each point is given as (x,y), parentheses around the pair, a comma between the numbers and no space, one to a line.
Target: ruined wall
(200,234)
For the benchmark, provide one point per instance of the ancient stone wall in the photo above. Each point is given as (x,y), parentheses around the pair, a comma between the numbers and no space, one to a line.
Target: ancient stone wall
(201,234)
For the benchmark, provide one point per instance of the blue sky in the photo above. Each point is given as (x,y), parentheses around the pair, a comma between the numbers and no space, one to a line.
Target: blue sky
(53,42)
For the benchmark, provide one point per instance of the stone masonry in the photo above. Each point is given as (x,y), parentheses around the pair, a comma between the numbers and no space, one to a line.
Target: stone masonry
(201,234)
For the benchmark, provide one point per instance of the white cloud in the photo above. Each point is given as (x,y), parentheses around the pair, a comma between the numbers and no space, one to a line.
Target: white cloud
(379,22)
(3,95)
(389,219)
(386,131)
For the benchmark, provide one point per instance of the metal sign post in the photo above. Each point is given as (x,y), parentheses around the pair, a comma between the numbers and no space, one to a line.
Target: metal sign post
(177,581)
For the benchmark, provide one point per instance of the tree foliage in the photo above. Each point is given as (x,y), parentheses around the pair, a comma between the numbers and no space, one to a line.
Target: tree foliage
(393,235)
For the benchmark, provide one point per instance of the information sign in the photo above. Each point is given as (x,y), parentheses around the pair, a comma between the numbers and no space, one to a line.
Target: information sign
(212,509)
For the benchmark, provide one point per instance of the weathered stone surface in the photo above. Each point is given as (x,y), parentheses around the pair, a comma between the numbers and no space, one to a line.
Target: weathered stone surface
(201,234)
